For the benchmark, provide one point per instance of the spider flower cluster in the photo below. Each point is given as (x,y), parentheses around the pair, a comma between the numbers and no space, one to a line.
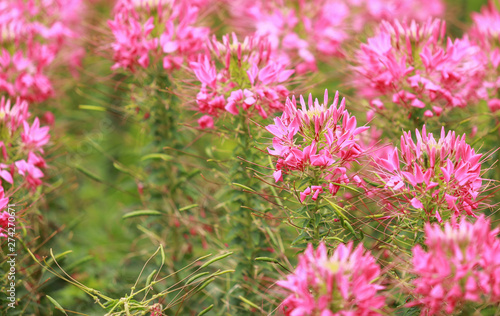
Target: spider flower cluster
(302,31)
(21,145)
(35,35)
(486,31)
(441,177)
(318,140)
(462,264)
(240,76)
(410,69)
(343,284)
(160,30)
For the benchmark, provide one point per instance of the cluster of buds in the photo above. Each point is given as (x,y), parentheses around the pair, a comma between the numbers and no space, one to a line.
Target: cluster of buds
(343,284)
(239,76)
(317,140)
(406,69)
(461,265)
(32,35)
(302,31)
(162,30)
(441,178)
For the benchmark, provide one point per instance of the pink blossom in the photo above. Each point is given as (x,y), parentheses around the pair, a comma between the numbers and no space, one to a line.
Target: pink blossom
(408,68)
(30,172)
(38,34)
(4,223)
(343,284)
(162,30)
(462,264)
(316,138)
(206,121)
(35,137)
(485,32)
(240,76)
(442,177)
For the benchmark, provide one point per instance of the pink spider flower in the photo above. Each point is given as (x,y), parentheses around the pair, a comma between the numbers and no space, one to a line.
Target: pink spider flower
(37,35)
(34,136)
(316,139)
(4,223)
(245,78)
(164,30)
(21,141)
(409,68)
(301,32)
(485,32)
(461,265)
(13,115)
(342,284)
(441,177)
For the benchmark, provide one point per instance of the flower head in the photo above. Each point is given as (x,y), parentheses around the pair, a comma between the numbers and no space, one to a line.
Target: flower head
(245,78)
(462,264)
(409,69)
(160,29)
(303,32)
(442,177)
(316,138)
(342,284)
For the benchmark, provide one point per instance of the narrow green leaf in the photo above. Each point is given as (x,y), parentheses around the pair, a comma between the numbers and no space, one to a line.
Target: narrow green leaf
(89,174)
(163,157)
(185,208)
(244,187)
(150,277)
(92,108)
(206,264)
(266,259)
(196,277)
(56,304)
(142,213)
(248,302)
(203,312)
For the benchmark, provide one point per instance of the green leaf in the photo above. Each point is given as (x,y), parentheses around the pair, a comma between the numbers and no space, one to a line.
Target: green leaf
(163,157)
(216,259)
(244,187)
(92,108)
(203,312)
(56,304)
(89,174)
(185,208)
(142,213)
(248,302)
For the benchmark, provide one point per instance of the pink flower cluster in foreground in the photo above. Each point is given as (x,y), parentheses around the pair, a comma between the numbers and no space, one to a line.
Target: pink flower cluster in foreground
(33,34)
(240,76)
(442,177)
(316,139)
(302,31)
(486,31)
(462,264)
(411,65)
(23,142)
(343,284)
(163,29)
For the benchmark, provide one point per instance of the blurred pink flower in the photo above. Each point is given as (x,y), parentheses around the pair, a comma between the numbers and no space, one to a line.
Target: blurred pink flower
(343,284)
(461,264)
(406,68)
(160,29)
(245,77)
(300,32)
